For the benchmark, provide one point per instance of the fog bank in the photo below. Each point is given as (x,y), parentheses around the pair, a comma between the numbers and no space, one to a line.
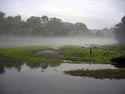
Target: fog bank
(13,41)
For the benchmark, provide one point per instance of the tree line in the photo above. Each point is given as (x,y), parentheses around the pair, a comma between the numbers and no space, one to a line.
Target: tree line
(45,26)
(42,26)
(119,31)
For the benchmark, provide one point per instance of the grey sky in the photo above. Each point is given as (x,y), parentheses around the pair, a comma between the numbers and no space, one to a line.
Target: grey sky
(95,14)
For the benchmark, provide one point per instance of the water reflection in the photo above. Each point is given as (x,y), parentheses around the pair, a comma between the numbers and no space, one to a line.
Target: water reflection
(30,80)
(9,65)
(50,67)
(44,66)
(2,70)
(31,65)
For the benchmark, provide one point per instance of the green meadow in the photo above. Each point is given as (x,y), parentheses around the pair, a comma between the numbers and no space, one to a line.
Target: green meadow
(76,54)
(101,55)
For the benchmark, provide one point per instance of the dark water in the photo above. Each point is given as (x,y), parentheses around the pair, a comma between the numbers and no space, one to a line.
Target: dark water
(50,79)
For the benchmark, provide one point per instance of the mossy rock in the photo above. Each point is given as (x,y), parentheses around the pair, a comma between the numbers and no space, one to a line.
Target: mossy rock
(48,54)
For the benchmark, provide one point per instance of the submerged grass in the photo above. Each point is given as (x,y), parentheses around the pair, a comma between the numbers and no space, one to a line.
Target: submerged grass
(99,73)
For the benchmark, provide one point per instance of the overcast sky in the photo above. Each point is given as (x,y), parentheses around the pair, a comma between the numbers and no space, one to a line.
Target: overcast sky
(96,14)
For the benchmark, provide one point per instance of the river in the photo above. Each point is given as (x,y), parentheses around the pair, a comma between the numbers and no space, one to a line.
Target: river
(50,79)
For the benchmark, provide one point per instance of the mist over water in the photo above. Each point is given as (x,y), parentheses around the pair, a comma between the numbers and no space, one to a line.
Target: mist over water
(16,41)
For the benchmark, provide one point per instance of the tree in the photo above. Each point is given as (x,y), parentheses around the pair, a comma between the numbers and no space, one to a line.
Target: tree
(69,28)
(44,26)
(55,26)
(81,28)
(120,31)
(17,24)
(34,25)
(45,20)
(13,24)
(2,21)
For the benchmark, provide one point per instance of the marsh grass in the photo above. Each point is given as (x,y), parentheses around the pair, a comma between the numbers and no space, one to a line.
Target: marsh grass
(23,54)
(98,56)
(99,73)
(69,52)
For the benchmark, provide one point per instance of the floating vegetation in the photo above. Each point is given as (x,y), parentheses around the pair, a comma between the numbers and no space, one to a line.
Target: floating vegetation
(99,73)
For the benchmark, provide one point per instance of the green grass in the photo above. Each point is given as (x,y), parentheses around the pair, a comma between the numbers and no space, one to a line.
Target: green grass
(99,73)
(23,54)
(73,53)
(99,55)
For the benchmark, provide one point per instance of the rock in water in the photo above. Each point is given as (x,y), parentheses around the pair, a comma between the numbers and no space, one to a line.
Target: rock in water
(49,54)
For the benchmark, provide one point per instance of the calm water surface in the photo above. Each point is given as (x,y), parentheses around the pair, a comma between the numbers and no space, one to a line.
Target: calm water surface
(50,79)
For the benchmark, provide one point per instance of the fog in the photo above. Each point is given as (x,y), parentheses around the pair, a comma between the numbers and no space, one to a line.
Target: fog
(14,41)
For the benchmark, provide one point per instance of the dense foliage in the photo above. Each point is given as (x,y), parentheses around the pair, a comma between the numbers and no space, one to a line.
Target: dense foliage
(120,31)
(40,26)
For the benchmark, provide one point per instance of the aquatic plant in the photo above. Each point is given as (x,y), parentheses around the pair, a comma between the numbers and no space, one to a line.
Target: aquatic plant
(99,73)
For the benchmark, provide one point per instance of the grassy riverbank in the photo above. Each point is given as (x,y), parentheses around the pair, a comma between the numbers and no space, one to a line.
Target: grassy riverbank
(100,55)
(73,53)
(99,74)
(23,54)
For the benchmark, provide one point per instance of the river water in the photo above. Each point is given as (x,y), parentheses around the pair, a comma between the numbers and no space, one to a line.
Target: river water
(50,79)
